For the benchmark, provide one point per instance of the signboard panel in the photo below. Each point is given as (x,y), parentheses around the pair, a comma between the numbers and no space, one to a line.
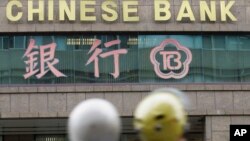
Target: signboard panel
(122,58)
(111,10)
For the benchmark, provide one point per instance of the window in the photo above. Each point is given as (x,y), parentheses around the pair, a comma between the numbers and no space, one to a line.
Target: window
(51,138)
(219,42)
(8,42)
(20,42)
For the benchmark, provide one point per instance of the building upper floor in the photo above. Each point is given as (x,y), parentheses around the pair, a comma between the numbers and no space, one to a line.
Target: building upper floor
(124,15)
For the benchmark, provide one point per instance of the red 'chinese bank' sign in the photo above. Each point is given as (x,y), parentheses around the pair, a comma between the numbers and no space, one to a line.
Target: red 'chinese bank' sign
(166,61)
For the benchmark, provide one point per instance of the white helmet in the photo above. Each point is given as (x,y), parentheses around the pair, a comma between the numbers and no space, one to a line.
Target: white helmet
(94,120)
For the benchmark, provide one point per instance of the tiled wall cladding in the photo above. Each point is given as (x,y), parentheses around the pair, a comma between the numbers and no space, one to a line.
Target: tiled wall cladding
(58,101)
(241,10)
(217,127)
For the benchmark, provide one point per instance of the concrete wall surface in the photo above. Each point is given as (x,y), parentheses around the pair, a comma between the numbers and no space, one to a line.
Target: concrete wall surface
(58,101)
(221,105)
(218,127)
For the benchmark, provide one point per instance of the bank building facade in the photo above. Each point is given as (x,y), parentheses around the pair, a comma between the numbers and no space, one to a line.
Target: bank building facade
(55,54)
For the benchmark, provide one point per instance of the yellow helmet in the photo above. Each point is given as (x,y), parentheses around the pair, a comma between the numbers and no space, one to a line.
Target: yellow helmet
(161,116)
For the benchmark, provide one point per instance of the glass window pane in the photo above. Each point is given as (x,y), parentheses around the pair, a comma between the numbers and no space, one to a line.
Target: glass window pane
(215,58)
(20,42)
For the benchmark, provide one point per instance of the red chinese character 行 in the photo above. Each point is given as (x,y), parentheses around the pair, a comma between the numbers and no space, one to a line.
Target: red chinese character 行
(98,52)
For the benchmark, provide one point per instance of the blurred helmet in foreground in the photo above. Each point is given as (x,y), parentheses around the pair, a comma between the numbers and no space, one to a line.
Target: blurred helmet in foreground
(94,120)
(161,116)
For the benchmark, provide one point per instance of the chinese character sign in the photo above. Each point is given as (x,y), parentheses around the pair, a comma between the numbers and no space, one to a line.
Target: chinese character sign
(169,60)
(99,53)
(173,66)
(43,55)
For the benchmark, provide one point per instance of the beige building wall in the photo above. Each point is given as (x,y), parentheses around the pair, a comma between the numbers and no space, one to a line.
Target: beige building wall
(218,127)
(58,101)
(221,105)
